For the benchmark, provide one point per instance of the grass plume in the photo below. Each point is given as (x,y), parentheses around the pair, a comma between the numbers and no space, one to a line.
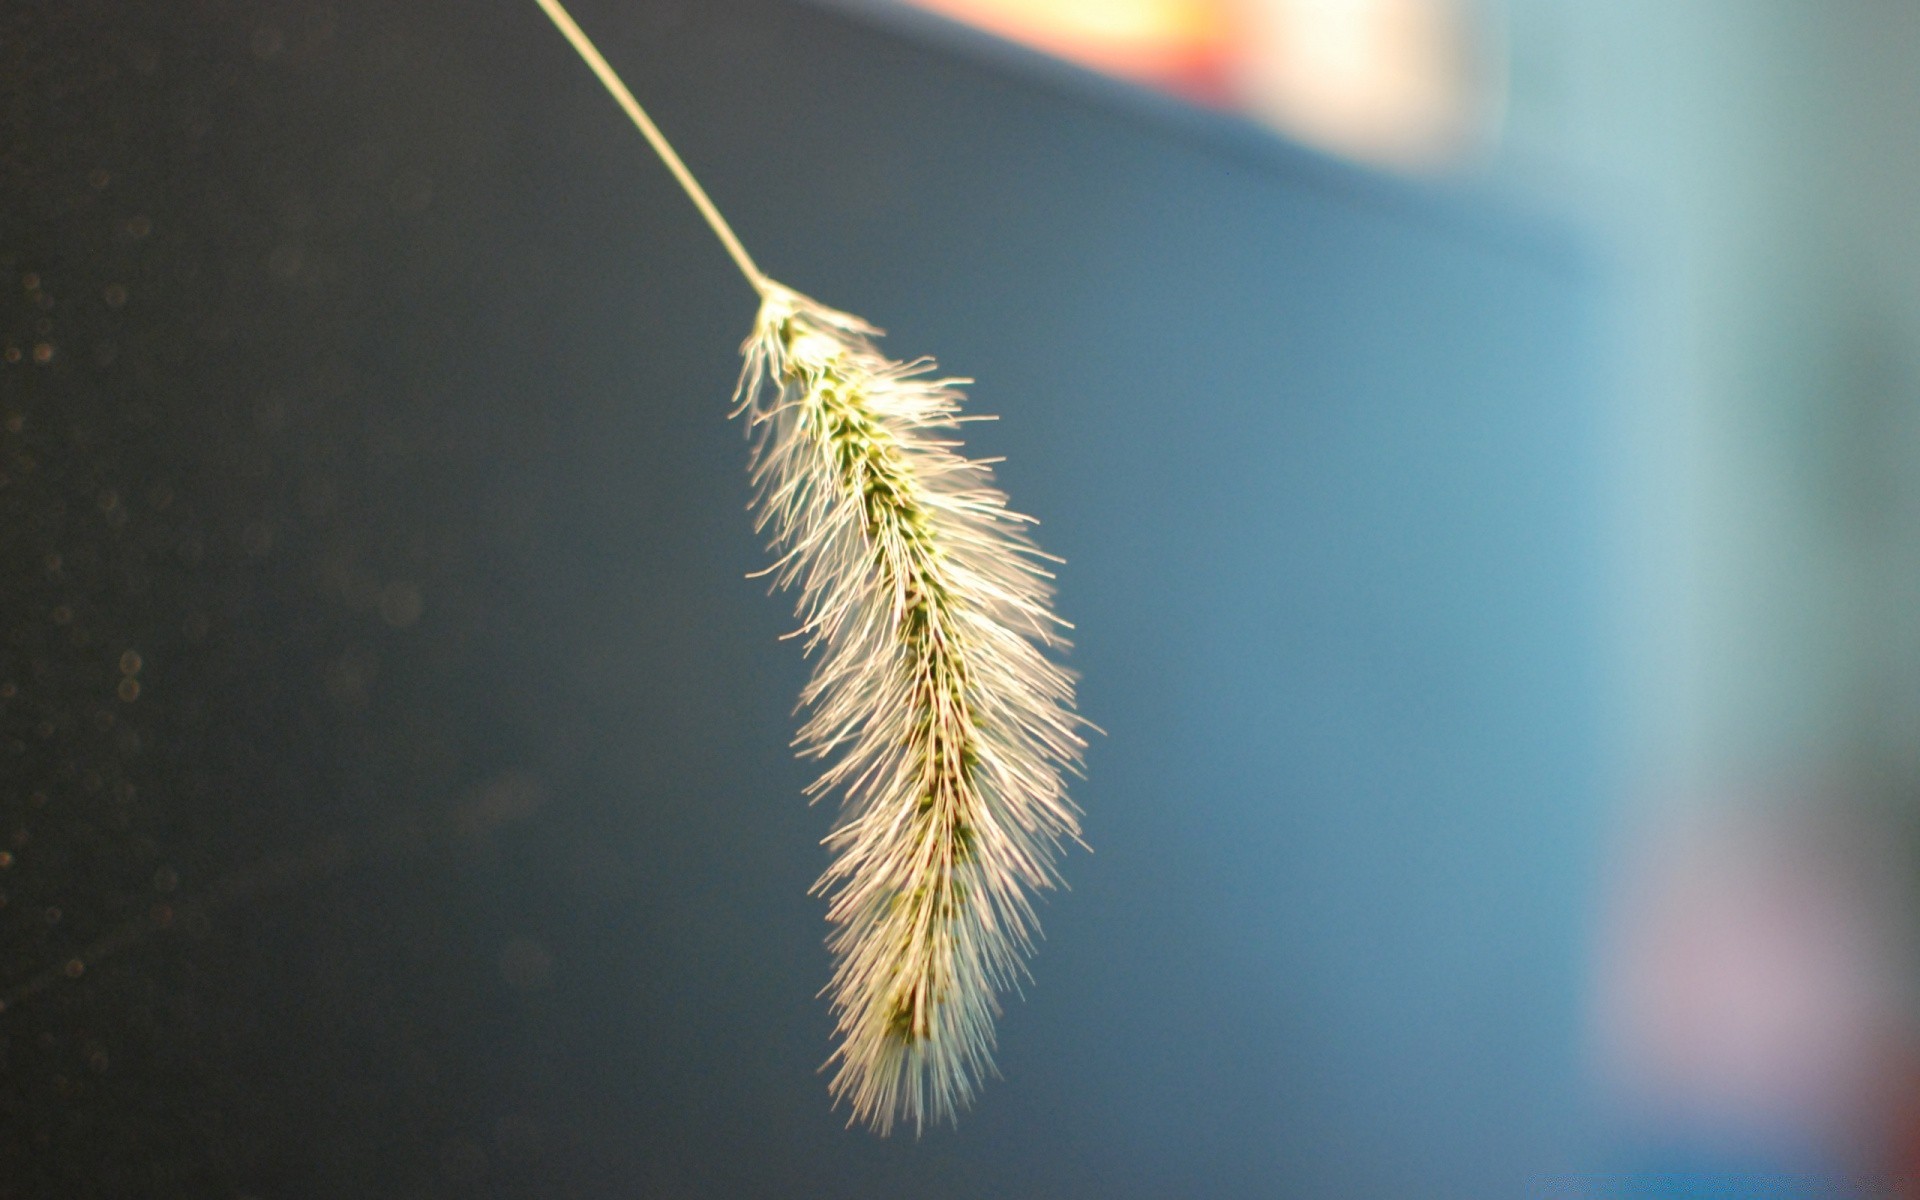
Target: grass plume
(946,727)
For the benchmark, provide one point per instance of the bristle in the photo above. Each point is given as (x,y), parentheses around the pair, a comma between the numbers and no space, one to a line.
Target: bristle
(947,728)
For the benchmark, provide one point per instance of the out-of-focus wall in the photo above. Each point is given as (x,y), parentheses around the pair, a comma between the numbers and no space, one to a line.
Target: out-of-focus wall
(1698,142)
(1749,173)
(1875,190)
(1747,169)
(1750,168)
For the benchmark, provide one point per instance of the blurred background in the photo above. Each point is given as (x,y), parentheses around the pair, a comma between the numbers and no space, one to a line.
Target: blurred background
(1748,172)
(1745,170)
(1494,534)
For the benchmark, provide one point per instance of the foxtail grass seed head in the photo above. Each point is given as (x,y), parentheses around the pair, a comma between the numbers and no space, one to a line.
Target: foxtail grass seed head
(946,728)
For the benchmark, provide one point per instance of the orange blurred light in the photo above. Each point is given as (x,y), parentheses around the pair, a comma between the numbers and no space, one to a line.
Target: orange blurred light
(1397,82)
(1180,46)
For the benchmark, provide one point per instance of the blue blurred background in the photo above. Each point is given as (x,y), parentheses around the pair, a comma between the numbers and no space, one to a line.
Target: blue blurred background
(1477,436)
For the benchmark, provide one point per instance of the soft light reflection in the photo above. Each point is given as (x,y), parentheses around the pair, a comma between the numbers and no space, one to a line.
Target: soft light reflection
(1384,80)
(1387,81)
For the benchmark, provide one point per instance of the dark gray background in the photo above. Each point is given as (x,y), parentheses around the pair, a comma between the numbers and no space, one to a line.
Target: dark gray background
(451,846)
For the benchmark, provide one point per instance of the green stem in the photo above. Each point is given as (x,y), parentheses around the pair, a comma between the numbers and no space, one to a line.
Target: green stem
(658,140)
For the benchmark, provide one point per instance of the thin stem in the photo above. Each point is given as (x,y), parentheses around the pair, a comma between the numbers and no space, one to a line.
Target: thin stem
(658,140)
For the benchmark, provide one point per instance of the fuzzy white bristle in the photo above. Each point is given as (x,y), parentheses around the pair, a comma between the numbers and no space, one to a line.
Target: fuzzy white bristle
(947,728)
